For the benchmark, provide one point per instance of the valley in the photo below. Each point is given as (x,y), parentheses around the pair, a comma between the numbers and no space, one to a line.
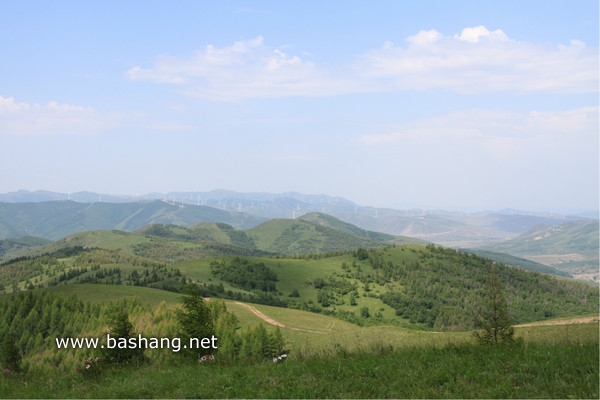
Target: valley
(328,289)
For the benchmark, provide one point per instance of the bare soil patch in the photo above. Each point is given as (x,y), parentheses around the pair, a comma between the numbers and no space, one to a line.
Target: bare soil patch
(568,321)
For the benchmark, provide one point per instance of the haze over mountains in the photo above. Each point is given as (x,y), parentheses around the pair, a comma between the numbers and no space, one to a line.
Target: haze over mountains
(53,215)
(566,242)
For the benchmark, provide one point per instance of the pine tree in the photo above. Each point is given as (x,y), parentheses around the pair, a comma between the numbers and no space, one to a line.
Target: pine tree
(10,356)
(493,318)
(195,320)
(121,329)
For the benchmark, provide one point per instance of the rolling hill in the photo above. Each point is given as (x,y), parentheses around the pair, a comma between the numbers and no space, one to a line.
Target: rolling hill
(285,236)
(245,210)
(413,286)
(56,219)
(572,247)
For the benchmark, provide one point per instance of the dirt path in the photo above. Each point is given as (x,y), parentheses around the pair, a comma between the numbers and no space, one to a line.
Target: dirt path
(576,320)
(272,321)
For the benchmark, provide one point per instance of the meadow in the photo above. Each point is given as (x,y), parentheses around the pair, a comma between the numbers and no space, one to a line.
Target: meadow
(328,358)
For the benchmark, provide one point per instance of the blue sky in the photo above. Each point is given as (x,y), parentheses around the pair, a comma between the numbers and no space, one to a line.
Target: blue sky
(458,105)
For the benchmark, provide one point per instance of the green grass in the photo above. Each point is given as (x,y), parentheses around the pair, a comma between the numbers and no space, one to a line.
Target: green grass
(524,370)
(332,358)
(106,293)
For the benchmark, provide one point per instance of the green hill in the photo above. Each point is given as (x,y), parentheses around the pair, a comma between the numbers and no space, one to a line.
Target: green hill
(286,236)
(204,231)
(56,219)
(412,286)
(332,222)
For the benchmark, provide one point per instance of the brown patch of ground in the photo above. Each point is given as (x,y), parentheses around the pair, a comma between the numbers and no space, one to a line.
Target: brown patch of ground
(568,321)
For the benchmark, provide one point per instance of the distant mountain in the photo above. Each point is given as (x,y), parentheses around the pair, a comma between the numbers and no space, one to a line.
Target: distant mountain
(56,219)
(453,229)
(577,237)
(523,263)
(313,233)
(571,247)
(171,243)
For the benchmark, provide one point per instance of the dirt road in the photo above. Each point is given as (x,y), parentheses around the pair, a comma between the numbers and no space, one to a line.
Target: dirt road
(272,321)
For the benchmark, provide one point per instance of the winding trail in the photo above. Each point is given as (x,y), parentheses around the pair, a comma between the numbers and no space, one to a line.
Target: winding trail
(275,322)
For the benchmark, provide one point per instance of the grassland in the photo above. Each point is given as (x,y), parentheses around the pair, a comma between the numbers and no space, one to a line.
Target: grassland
(331,358)
(328,357)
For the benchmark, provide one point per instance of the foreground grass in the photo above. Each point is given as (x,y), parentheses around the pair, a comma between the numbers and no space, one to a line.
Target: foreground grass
(460,370)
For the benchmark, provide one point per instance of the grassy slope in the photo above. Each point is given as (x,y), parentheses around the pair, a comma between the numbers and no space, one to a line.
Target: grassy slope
(299,274)
(330,358)
(311,334)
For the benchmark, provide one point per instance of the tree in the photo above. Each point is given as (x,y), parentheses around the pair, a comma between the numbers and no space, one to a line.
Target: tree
(121,330)
(10,356)
(493,317)
(364,312)
(196,319)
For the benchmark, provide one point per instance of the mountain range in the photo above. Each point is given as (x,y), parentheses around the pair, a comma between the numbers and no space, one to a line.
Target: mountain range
(244,210)
(566,242)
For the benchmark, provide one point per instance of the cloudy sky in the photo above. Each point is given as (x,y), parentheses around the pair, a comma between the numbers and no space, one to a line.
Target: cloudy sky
(453,104)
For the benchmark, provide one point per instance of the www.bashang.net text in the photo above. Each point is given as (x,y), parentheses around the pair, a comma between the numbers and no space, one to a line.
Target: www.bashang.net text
(139,342)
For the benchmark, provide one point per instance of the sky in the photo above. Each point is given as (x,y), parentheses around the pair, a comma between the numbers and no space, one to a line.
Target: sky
(464,105)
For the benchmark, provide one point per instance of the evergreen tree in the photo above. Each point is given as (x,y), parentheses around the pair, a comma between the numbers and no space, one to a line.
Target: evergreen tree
(121,329)
(10,356)
(493,318)
(196,319)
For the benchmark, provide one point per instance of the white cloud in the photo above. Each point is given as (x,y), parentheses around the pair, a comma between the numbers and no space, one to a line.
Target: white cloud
(475,61)
(481,61)
(473,34)
(243,70)
(50,119)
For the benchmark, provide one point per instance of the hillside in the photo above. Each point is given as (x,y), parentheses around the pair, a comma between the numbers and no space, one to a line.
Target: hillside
(519,262)
(572,247)
(332,222)
(10,248)
(56,219)
(285,236)
(412,286)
